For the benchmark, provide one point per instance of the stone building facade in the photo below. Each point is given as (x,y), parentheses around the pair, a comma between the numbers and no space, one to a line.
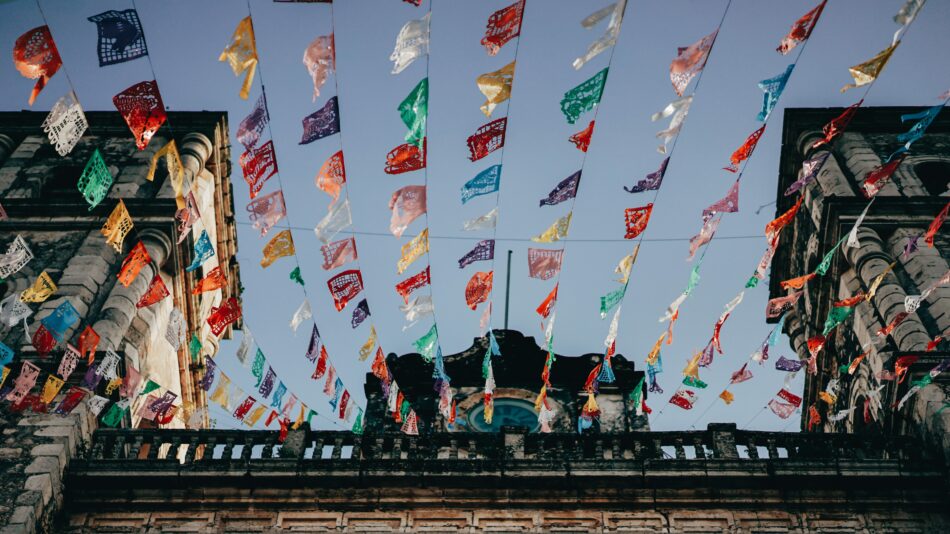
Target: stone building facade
(900,214)
(39,195)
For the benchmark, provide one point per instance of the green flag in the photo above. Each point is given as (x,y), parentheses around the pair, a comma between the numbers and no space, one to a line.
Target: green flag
(114,416)
(608,301)
(295,276)
(358,424)
(257,369)
(836,316)
(194,347)
(753,281)
(95,181)
(694,382)
(414,110)
(584,97)
(427,344)
(150,386)
(826,261)
(693,279)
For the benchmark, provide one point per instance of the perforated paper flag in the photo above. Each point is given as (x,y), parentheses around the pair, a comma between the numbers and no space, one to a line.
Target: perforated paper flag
(484,250)
(413,250)
(266,211)
(251,127)
(121,37)
(487,139)
(679,110)
(344,287)
(281,245)
(478,289)
(334,222)
(258,165)
(241,54)
(556,231)
(338,253)
(321,123)
(773,88)
(566,189)
(503,26)
(204,250)
(407,204)
(95,181)
(689,62)
(484,183)
(544,263)
(65,124)
(609,38)
(801,30)
(117,226)
(413,110)
(407,286)
(584,97)
(496,86)
(142,108)
(332,176)
(320,59)
(411,43)
(867,72)
(35,56)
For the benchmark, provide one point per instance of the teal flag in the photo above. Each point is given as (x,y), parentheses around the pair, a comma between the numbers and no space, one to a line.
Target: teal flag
(694,382)
(295,276)
(584,97)
(95,181)
(693,279)
(427,344)
(608,301)
(413,110)
(826,261)
(836,316)
(257,369)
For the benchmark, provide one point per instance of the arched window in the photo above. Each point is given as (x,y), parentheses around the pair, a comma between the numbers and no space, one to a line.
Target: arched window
(62,182)
(934,175)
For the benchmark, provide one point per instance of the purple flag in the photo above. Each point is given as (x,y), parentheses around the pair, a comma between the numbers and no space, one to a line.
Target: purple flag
(810,170)
(322,123)
(360,313)
(565,190)
(268,383)
(652,182)
(484,250)
(208,378)
(784,364)
(313,350)
(250,130)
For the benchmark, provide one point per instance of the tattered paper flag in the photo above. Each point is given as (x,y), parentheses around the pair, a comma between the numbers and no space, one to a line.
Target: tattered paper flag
(407,204)
(608,301)
(121,37)
(853,241)
(414,110)
(825,263)
(652,181)
(360,313)
(321,123)
(222,316)
(496,86)
(789,366)
(204,250)
(584,97)
(779,305)
(689,62)
(801,30)
(810,170)
(924,119)
(478,288)
(867,72)
(781,409)
(773,228)
(484,250)
(156,292)
(678,109)
(609,38)
(281,245)
(684,398)
(503,26)
(332,176)
(142,108)
(416,309)
(798,282)
(773,88)
(137,258)
(405,158)
(266,211)
(370,344)
(322,362)
(544,309)
(484,183)
(566,189)
(544,264)
(727,204)
(582,138)
(935,225)
(313,348)
(744,152)
(320,59)
(483,222)
(877,178)
(42,289)
(35,56)
(741,375)
(411,43)
(838,124)
(836,316)
(303,313)
(117,226)
(412,283)
(251,127)
(704,236)
(626,264)
(889,328)
(338,253)
(636,220)
(413,250)
(65,124)
(338,219)
(487,139)
(428,343)
(851,301)
(241,54)
(96,179)
(556,231)
(344,287)
(258,165)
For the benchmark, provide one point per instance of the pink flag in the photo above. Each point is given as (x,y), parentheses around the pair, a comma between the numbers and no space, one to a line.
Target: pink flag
(741,375)
(543,263)
(267,210)
(407,204)
(781,409)
(780,305)
(727,204)
(320,58)
(704,236)
(338,253)
(689,62)
(332,176)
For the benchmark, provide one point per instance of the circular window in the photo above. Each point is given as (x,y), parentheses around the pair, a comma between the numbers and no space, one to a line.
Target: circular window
(508,412)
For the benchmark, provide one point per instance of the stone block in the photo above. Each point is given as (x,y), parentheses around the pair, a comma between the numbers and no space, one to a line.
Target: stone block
(57,450)
(23,515)
(10,453)
(68,436)
(41,483)
(47,464)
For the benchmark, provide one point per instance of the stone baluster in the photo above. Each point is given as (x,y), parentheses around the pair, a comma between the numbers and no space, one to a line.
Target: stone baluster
(514,441)
(723,439)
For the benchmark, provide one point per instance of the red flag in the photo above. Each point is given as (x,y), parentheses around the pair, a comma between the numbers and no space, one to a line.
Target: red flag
(245,407)
(478,288)
(88,343)
(637,219)
(851,301)
(338,253)
(582,138)
(773,228)
(344,400)
(898,319)
(142,108)
(344,287)
(683,398)
(548,303)
(745,151)
(332,176)
(801,30)
(741,375)
(935,225)
(213,280)
(321,364)
(487,139)
(379,368)
(412,283)
(790,397)
(133,263)
(838,124)
(43,341)
(814,417)
(503,26)
(902,365)
(544,263)
(36,57)
(257,165)
(815,344)
(405,158)
(222,316)
(156,292)
(878,178)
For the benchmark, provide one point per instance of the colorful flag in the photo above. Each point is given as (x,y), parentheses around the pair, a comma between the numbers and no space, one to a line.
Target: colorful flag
(241,54)
(836,316)
(801,30)
(412,283)
(704,236)
(773,228)
(609,38)
(303,313)
(566,189)
(95,181)
(296,277)
(407,204)
(344,287)
(413,250)
(582,138)
(332,176)
(251,127)
(137,258)
(267,384)
(267,210)
(727,204)
(678,109)
(258,165)
(428,344)
(496,86)
(42,289)
(281,245)
(744,152)
(478,288)
(35,56)
(789,366)
(117,226)
(338,253)
(320,59)
(684,398)
(867,72)
(810,170)
(225,314)
(584,97)
(156,292)
(370,344)
(484,250)
(120,36)
(204,250)
(781,409)
(413,110)
(487,139)
(544,263)
(626,264)
(741,375)
(360,313)
(65,124)
(636,220)
(334,222)
(797,282)
(689,62)
(187,215)
(411,43)
(483,222)
(877,178)
(779,305)
(727,397)
(544,309)
(773,88)
(906,15)
(652,181)
(321,123)
(142,108)
(935,225)
(925,118)
(405,158)
(838,124)
(556,231)
(503,26)
(825,263)
(484,183)
(608,301)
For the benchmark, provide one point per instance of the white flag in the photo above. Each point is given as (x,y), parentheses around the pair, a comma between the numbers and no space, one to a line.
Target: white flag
(485,221)
(411,43)
(302,314)
(609,38)
(335,221)
(65,124)
(417,308)
(678,109)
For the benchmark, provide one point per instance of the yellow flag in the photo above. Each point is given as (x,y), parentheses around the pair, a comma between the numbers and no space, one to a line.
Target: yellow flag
(411,251)
(282,244)
(556,231)
(176,171)
(300,417)
(496,86)
(877,282)
(117,226)
(370,344)
(42,289)
(113,384)
(626,264)
(726,396)
(655,351)
(6,371)
(256,415)
(827,397)
(866,72)
(51,388)
(692,367)
(241,54)
(220,394)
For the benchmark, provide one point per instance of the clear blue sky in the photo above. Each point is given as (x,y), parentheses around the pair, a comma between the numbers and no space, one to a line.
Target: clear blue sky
(186,37)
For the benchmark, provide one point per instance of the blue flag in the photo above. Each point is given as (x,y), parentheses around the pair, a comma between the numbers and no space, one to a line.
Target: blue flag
(203,251)
(486,182)
(321,123)
(121,37)
(773,88)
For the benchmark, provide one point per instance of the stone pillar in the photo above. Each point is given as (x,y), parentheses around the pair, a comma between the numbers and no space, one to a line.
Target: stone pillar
(861,159)
(514,437)
(7,146)
(924,267)
(723,440)
(195,149)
